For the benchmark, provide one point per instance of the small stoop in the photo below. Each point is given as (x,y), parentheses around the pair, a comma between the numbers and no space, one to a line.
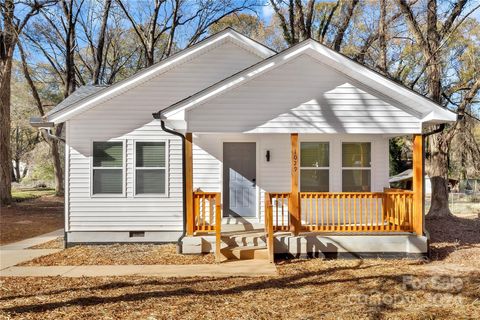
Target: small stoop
(244,245)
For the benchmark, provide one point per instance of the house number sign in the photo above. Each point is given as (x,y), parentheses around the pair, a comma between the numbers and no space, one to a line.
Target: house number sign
(295,161)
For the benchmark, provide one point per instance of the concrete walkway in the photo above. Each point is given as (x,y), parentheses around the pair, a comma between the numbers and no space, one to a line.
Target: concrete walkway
(17,252)
(242,268)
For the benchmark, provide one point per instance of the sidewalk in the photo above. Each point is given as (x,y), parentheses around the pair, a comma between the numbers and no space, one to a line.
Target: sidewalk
(17,252)
(242,268)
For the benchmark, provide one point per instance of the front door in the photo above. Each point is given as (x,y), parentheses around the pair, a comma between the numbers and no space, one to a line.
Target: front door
(239,179)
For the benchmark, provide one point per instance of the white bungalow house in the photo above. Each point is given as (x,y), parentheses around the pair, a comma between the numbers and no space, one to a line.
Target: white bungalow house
(255,151)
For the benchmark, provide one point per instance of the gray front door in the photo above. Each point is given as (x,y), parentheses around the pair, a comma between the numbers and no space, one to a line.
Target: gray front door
(239,179)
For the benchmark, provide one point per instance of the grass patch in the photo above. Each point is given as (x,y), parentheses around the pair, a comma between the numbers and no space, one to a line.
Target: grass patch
(20,195)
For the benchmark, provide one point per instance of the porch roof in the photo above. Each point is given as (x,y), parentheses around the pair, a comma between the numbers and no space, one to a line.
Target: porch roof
(391,98)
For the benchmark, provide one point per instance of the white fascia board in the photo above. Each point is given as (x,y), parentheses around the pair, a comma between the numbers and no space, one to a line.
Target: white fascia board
(125,85)
(439,116)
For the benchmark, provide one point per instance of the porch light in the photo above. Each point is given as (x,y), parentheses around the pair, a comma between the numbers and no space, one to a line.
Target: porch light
(267,155)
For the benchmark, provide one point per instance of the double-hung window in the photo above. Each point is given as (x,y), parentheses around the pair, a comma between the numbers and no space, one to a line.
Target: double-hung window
(314,166)
(150,168)
(107,167)
(356,166)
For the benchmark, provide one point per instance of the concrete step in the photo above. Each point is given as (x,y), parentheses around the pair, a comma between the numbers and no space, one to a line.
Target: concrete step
(241,226)
(244,239)
(245,253)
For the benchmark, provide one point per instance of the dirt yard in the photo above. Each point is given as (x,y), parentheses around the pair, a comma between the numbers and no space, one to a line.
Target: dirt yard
(447,287)
(34,213)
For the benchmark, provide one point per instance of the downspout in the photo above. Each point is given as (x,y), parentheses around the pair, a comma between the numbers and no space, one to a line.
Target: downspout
(184,181)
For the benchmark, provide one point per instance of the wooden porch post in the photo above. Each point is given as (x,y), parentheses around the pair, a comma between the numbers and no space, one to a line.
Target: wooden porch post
(293,203)
(417,185)
(189,182)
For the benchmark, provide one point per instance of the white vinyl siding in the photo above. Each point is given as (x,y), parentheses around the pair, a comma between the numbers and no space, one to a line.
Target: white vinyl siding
(128,117)
(304,96)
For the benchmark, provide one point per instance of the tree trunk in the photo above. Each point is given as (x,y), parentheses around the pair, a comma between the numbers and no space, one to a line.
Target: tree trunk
(5,151)
(57,162)
(101,43)
(438,171)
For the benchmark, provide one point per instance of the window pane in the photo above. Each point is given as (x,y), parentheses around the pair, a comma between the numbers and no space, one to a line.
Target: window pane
(150,181)
(314,180)
(107,181)
(356,181)
(356,154)
(150,154)
(107,154)
(314,154)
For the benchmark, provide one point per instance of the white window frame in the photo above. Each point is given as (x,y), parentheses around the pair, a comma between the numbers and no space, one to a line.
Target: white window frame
(123,168)
(150,195)
(316,168)
(357,168)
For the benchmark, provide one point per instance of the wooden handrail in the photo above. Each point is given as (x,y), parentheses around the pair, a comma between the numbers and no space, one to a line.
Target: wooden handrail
(205,208)
(218,228)
(269,227)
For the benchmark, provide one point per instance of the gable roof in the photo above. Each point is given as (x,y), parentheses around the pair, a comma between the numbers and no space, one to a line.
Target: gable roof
(414,103)
(90,96)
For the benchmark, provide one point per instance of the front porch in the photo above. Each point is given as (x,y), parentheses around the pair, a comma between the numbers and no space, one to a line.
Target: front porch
(298,223)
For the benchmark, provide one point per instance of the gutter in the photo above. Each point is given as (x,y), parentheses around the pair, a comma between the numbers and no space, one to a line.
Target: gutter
(157,116)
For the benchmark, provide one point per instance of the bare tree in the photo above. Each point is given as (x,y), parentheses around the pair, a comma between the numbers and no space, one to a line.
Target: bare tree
(55,37)
(297,21)
(157,31)
(431,40)
(11,27)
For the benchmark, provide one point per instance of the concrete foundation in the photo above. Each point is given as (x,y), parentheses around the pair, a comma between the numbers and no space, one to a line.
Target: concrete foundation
(330,246)
(99,237)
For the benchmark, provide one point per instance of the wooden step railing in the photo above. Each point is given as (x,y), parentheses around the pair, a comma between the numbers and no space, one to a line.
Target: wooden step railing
(269,227)
(207,216)
(204,210)
(389,211)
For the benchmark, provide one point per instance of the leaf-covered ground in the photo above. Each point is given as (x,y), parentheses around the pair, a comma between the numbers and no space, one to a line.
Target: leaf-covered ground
(33,216)
(305,289)
(446,287)
(119,254)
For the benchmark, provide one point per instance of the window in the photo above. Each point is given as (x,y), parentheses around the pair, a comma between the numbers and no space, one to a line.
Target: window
(314,167)
(108,167)
(356,166)
(150,168)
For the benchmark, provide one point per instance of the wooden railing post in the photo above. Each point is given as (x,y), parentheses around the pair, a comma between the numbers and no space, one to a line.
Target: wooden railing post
(418,157)
(189,183)
(218,228)
(294,201)
(269,226)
